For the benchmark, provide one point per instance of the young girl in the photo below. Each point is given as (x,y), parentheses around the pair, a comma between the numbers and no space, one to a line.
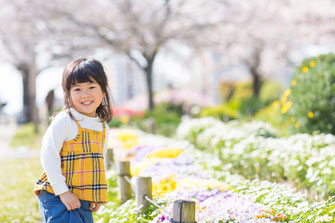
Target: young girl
(73,184)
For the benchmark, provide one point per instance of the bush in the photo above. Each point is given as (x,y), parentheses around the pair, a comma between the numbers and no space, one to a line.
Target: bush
(270,91)
(241,94)
(115,122)
(163,120)
(243,90)
(310,102)
(271,114)
(223,112)
(250,106)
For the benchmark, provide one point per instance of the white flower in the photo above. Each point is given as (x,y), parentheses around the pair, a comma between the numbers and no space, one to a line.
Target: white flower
(324,218)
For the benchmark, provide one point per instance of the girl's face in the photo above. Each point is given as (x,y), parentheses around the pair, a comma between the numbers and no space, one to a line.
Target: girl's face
(86,97)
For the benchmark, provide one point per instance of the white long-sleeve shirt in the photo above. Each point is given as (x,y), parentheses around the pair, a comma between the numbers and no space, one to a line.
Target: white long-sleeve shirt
(64,128)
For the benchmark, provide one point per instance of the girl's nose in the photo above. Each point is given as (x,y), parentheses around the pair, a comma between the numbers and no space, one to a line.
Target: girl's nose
(85,95)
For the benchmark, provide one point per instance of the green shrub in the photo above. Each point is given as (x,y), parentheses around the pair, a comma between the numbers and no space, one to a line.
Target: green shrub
(223,112)
(227,90)
(270,91)
(311,99)
(241,94)
(251,105)
(115,122)
(163,120)
(243,90)
(271,114)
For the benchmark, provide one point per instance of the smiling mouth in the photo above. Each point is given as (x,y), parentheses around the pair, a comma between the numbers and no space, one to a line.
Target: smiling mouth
(87,103)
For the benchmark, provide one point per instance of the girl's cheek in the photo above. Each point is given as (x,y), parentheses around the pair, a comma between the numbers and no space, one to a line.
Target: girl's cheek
(75,93)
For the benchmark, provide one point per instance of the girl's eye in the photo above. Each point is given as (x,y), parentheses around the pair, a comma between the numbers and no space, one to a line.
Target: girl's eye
(92,87)
(76,89)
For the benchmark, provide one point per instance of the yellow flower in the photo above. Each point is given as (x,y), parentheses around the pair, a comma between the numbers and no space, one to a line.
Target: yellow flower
(165,153)
(275,104)
(138,168)
(310,115)
(292,119)
(135,171)
(128,140)
(283,97)
(124,119)
(287,92)
(129,144)
(165,185)
(312,63)
(126,136)
(286,107)
(297,125)
(305,69)
(282,110)
(293,83)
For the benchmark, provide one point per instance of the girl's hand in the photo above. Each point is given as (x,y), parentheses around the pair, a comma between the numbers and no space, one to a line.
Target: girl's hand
(70,200)
(94,206)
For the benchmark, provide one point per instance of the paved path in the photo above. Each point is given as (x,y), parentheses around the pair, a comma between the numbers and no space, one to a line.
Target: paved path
(7,130)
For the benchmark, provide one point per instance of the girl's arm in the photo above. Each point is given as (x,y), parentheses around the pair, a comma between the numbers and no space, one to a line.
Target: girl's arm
(52,143)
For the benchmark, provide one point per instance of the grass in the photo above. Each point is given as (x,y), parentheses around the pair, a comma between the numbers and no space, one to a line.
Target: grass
(18,202)
(25,136)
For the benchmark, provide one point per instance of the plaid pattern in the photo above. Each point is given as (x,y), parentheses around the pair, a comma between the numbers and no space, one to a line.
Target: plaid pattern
(82,165)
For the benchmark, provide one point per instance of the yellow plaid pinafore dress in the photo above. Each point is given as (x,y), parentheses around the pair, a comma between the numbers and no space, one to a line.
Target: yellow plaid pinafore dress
(82,164)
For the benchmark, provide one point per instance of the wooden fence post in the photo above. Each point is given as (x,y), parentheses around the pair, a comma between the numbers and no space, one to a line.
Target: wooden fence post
(143,188)
(109,157)
(124,188)
(183,211)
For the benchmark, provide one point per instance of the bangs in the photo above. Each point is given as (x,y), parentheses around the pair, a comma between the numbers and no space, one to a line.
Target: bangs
(79,76)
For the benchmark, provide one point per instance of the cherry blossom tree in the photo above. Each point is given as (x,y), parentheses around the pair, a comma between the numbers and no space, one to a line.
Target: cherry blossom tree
(263,34)
(19,35)
(29,47)
(140,29)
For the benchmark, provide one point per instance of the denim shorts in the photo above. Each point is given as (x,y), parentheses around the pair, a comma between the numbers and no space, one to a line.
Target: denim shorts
(54,211)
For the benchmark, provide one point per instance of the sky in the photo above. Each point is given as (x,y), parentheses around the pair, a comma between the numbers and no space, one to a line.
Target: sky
(11,90)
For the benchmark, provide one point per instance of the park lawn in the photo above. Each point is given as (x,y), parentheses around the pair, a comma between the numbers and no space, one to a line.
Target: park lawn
(18,203)
(25,136)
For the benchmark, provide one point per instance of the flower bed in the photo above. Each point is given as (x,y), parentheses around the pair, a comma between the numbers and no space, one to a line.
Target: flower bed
(178,171)
(308,161)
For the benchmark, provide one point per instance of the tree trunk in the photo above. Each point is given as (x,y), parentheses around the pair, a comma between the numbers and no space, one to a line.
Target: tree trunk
(130,81)
(256,81)
(148,73)
(148,77)
(26,101)
(30,111)
(254,64)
